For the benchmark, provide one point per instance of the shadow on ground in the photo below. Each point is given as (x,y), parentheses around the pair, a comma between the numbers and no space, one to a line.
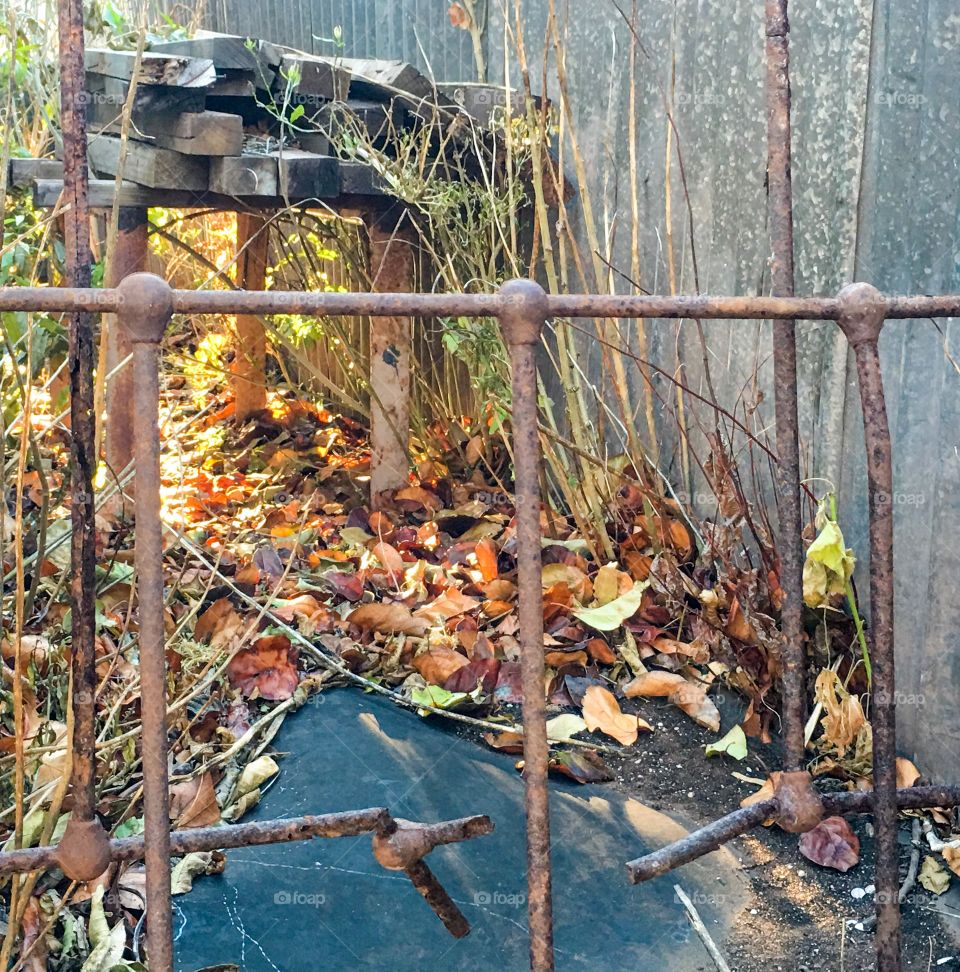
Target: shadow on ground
(326,903)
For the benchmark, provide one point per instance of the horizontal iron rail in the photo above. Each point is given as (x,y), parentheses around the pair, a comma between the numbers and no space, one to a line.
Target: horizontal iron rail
(736,824)
(109,301)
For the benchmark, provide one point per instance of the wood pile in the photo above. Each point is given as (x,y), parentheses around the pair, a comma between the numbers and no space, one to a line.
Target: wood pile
(230,116)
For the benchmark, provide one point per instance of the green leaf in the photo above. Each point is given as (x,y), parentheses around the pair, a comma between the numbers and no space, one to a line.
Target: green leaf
(438,697)
(296,113)
(734,744)
(129,828)
(611,615)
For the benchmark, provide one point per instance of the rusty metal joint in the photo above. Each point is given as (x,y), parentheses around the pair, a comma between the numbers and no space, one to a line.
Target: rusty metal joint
(799,806)
(863,311)
(145,303)
(399,844)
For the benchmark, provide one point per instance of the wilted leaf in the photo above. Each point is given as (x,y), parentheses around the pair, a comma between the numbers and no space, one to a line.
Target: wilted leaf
(193,802)
(480,672)
(192,866)
(575,579)
(256,773)
(563,727)
(582,765)
(437,664)
(507,742)
(907,773)
(734,744)
(437,697)
(654,684)
(449,604)
(601,711)
(610,616)
(389,557)
(220,620)
(108,943)
(266,669)
(933,875)
(688,696)
(832,843)
(952,856)
(828,567)
(389,618)
(843,713)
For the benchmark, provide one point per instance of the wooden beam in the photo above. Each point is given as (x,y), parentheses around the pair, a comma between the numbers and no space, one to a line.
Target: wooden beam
(229,52)
(292,173)
(192,133)
(129,256)
(361,182)
(391,351)
(249,380)
(149,165)
(166,69)
(316,78)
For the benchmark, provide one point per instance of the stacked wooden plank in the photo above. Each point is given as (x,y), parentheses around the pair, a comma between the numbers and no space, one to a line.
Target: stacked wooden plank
(220,118)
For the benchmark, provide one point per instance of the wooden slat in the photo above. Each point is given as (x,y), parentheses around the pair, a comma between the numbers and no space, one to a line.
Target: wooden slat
(293,173)
(182,72)
(102,193)
(229,52)
(22,172)
(318,77)
(108,96)
(149,165)
(193,133)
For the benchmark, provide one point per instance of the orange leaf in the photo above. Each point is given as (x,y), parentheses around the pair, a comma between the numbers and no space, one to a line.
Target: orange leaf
(487,559)
(451,603)
(437,664)
(600,711)
(388,618)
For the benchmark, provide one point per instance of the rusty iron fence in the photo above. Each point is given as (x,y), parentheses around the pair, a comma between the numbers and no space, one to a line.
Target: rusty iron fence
(145,303)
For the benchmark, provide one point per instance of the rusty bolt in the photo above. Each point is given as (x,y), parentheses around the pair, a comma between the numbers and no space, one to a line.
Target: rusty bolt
(84,850)
(799,805)
(145,306)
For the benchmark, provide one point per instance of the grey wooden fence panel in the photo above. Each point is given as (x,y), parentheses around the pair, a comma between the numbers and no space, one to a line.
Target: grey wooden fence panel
(877,124)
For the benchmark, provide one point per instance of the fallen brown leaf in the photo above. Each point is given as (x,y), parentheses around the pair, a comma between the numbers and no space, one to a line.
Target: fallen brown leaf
(832,843)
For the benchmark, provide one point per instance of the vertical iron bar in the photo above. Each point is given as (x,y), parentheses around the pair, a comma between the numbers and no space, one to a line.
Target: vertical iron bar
(144,312)
(785,378)
(82,419)
(522,315)
(861,320)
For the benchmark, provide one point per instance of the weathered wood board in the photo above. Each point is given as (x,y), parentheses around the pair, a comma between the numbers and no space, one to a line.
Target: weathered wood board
(293,173)
(149,165)
(175,71)
(229,52)
(312,78)
(108,95)
(192,133)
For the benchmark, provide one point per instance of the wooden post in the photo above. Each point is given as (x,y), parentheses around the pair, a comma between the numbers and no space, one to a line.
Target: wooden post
(129,256)
(391,349)
(249,381)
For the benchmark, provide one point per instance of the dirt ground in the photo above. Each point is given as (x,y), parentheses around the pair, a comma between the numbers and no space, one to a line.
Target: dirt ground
(801,916)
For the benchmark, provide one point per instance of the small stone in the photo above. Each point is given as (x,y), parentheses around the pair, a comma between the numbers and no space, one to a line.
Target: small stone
(857,893)
(871,889)
(859,926)
(753,911)
(801,873)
